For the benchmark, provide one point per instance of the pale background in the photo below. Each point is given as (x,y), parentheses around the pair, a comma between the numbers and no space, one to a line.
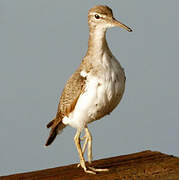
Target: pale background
(42,42)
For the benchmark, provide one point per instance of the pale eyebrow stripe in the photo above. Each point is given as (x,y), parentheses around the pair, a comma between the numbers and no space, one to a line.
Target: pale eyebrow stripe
(101,15)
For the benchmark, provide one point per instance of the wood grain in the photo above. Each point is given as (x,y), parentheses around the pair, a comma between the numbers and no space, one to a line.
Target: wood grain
(146,165)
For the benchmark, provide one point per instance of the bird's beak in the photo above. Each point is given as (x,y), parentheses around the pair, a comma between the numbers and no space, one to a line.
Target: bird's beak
(119,24)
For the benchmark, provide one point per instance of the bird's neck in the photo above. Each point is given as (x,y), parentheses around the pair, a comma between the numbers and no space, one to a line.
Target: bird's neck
(97,43)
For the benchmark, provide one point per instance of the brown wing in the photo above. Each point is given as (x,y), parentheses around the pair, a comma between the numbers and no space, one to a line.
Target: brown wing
(73,88)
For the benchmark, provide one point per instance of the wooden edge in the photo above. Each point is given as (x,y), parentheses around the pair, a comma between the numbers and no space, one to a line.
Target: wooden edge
(145,165)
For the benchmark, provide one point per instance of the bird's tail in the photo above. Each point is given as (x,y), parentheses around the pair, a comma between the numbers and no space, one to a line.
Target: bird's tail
(54,131)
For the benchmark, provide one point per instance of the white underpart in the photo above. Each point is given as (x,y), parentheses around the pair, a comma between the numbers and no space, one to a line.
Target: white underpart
(103,91)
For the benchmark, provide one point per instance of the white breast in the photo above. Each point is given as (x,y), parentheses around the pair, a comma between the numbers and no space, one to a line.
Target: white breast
(104,89)
(111,84)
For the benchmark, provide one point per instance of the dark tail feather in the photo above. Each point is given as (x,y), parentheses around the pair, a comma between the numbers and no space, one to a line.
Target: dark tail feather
(53,133)
(50,123)
(52,136)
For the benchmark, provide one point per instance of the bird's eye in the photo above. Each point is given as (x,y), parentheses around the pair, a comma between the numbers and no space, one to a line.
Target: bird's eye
(97,16)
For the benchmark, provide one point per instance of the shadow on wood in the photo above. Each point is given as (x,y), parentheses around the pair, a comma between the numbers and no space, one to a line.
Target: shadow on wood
(146,165)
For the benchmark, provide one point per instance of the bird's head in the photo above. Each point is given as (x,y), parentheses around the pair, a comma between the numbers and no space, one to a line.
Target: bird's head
(102,17)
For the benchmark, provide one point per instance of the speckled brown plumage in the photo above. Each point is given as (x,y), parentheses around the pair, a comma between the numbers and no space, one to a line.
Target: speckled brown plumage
(70,94)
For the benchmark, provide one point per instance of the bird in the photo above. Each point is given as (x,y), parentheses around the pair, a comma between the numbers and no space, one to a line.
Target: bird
(94,89)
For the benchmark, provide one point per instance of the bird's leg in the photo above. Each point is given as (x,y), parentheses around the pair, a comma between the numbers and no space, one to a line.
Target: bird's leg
(78,146)
(88,140)
(85,143)
(84,146)
(89,137)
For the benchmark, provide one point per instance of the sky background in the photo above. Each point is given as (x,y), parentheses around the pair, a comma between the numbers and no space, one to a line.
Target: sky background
(42,42)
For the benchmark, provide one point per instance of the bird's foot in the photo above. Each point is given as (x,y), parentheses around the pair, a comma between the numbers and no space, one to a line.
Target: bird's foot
(89,161)
(89,171)
(92,170)
(98,170)
(82,164)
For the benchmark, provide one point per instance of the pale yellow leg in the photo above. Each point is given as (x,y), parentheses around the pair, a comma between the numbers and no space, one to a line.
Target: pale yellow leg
(89,137)
(78,146)
(84,146)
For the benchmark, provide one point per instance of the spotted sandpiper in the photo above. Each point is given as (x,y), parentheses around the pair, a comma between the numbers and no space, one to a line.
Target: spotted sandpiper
(95,88)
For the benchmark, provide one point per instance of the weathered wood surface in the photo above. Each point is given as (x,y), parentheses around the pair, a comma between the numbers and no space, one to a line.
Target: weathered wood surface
(146,165)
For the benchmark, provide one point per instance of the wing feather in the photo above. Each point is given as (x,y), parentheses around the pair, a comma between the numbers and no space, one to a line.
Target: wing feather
(69,97)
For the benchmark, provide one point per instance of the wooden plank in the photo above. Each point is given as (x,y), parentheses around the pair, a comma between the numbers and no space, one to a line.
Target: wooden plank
(146,165)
